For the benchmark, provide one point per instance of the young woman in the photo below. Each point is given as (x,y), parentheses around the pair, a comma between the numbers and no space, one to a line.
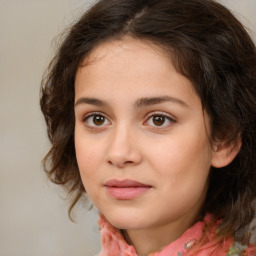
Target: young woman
(151,110)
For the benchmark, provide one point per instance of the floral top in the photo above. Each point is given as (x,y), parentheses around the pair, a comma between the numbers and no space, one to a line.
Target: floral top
(114,244)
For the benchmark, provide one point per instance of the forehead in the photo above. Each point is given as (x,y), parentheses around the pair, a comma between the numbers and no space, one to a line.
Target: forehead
(127,51)
(131,67)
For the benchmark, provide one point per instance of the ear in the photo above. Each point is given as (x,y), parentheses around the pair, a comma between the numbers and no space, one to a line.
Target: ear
(224,153)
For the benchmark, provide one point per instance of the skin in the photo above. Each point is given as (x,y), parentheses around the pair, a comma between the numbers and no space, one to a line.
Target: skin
(174,157)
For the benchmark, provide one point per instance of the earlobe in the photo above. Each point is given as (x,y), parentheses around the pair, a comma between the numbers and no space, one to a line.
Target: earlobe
(225,153)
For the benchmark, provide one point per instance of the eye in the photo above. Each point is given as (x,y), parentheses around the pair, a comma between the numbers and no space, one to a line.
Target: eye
(160,120)
(95,120)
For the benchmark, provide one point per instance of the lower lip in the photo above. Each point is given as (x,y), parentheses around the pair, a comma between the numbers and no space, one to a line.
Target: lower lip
(126,193)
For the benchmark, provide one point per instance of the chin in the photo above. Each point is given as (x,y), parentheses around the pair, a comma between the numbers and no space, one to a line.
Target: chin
(123,220)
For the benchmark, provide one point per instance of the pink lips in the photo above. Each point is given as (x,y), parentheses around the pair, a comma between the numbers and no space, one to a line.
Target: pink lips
(125,189)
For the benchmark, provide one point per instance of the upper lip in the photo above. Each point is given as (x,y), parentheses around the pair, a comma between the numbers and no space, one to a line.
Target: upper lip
(125,183)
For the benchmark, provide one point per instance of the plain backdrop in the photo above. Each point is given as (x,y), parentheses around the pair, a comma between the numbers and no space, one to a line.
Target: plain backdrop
(33,214)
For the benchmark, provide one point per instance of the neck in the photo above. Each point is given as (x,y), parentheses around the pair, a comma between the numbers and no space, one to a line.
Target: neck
(154,239)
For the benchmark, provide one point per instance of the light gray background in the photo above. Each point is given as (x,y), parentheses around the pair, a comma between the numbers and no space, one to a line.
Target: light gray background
(33,215)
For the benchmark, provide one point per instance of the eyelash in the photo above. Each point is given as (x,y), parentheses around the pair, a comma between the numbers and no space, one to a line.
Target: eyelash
(165,117)
(93,115)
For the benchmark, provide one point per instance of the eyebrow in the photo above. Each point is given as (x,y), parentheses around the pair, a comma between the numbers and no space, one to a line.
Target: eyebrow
(142,102)
(91,101)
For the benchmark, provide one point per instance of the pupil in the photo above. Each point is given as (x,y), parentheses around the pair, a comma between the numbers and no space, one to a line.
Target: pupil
(98,120)
(158,120)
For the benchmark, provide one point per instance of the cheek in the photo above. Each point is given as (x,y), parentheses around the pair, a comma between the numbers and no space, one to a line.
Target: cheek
(87,159)
(182,170)
(181,156)
(86,154)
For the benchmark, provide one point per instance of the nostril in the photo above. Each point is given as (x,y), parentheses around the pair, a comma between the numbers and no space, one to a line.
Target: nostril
(123,154)
(120,163)
(128,162)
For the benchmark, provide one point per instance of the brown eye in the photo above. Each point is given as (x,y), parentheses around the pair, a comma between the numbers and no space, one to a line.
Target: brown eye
(98,120)
(158,120)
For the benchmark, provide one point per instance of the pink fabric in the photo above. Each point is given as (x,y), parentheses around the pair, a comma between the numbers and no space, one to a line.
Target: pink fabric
(114,244)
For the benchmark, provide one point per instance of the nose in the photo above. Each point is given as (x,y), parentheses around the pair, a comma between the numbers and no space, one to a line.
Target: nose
(123,148)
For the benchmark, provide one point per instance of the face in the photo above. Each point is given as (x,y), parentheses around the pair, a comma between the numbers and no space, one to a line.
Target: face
(141,137)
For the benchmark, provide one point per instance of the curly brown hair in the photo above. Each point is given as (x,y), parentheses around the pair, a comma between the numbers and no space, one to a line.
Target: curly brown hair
(209,46)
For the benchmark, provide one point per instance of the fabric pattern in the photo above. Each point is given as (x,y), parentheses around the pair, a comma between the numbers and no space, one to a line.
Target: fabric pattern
(114,244)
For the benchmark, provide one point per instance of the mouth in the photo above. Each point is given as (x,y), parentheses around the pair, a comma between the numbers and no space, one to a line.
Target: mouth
(126,189)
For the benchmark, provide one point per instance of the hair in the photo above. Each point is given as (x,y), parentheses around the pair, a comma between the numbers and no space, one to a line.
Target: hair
(206,44)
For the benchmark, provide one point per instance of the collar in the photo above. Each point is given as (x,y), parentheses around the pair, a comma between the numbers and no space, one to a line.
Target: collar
(114,244)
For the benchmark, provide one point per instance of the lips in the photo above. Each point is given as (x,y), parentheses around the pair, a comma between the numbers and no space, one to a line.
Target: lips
(125,189)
